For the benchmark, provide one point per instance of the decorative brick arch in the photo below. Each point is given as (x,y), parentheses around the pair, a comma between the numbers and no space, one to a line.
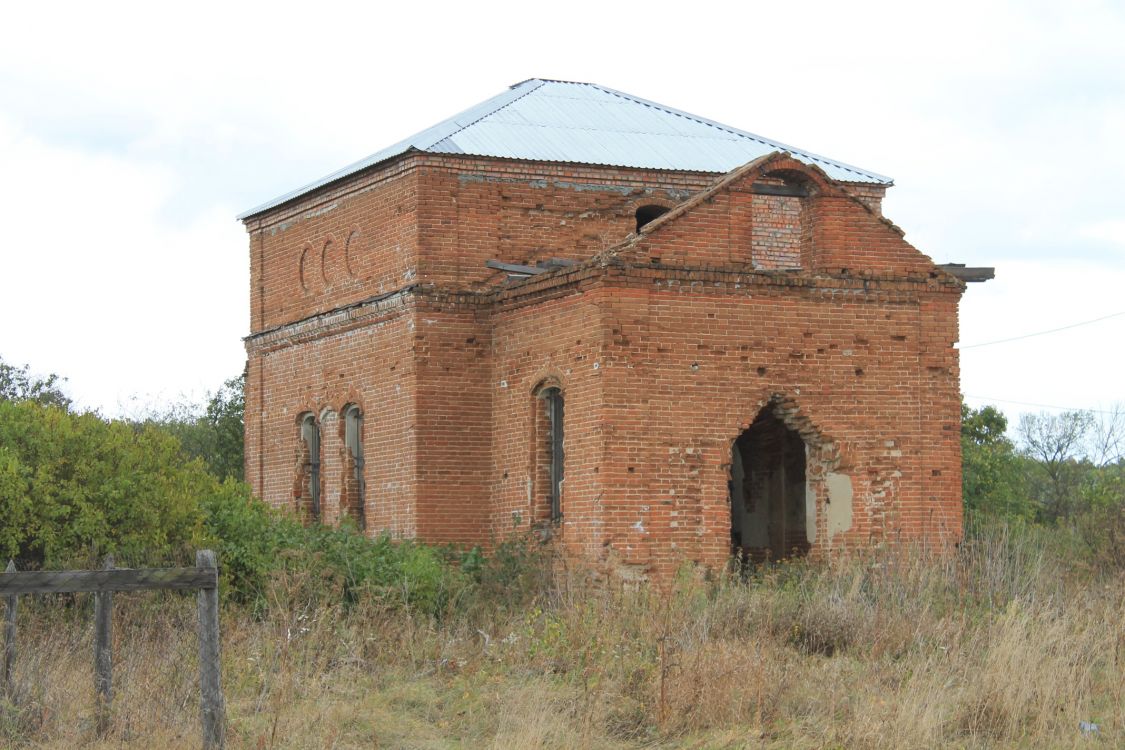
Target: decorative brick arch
(305,273)
(787,409)
(353,249)
(787,168)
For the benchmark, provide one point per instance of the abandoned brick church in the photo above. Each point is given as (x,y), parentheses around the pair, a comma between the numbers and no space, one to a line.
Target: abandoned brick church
(649,336)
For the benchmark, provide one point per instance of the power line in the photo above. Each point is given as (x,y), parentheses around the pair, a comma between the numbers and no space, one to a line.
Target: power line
(1043,333)
(1042,406)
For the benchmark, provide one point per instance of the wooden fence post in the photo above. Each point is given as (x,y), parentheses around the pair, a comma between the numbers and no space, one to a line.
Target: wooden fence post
(210,682)
(103,655)
(7,680)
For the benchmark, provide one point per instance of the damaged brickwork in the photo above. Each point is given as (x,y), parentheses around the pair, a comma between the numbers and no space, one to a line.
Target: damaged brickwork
(771,347)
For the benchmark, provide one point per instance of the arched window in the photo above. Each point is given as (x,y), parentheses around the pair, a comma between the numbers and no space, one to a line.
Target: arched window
(310,467)
(645,214)
(353,443)
(549,453)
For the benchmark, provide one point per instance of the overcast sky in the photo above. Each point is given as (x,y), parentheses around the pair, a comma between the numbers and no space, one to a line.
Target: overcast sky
(132,134)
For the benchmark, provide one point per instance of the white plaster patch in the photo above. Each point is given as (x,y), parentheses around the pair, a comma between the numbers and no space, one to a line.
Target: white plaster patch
(810,513)
(839,506)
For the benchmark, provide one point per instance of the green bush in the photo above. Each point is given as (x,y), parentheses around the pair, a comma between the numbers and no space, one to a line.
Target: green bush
(259,546)
(212,431)
(76,485)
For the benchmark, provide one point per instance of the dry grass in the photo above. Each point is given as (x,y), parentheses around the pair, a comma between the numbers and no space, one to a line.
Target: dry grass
(1007,644)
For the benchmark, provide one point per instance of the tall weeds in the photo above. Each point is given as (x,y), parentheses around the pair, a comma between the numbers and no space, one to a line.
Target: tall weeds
(1010,642)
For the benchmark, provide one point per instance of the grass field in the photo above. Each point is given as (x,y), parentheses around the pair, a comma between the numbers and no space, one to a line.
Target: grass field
(1011,642)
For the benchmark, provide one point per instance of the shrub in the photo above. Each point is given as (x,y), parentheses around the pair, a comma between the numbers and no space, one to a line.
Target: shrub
(259,546)
(76,485)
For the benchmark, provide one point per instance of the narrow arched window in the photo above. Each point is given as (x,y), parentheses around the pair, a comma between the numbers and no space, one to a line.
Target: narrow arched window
(645,214)
(353,442)
(550,452)
(310,468)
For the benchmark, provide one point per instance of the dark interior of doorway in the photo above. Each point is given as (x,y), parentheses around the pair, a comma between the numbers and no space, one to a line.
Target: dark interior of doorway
(767,491)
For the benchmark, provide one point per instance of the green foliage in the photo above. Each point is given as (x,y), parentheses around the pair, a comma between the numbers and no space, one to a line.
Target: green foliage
(74,487)
(78,485)
(18,384)
(212,432)
(992,472)
(259,546)
(1056,443)
(1069,472)
(1102,524)
(518,571)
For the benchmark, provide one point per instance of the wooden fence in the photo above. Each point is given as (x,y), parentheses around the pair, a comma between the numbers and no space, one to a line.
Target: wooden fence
(102,583)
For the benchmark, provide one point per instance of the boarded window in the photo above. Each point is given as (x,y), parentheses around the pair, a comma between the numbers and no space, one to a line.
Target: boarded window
(548,455)
(355,488)
(309,479)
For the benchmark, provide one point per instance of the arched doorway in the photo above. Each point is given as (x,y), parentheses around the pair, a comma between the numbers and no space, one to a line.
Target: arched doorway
(771,517)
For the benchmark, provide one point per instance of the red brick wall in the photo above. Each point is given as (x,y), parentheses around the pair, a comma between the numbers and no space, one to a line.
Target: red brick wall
(453,373)
(334,250)
(321,367)
(665,350)
(558,339)
(697,364)
(474,210)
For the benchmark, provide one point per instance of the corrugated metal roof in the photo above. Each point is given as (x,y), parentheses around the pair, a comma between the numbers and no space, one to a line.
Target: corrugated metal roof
(560,121)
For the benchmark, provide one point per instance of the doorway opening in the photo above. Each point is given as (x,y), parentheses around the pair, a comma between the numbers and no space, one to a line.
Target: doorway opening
(771,517)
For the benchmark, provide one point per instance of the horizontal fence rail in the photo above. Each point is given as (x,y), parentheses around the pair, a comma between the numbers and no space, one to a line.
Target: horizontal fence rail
(204,578)
(118,579)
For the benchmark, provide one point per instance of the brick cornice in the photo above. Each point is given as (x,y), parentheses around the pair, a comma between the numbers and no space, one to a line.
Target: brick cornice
(613,273)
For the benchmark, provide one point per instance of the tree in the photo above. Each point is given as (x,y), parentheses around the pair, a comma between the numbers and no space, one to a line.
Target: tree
(212,432)
(1057,444)
(18,384)
(992,474)
(1102,521)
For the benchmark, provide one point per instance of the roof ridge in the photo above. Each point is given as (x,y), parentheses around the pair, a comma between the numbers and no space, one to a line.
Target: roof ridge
(743,133)
(490,112)
(552,80)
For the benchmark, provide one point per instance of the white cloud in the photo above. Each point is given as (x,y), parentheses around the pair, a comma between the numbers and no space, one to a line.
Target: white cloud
(132,132)
(99,288)
(1080,367)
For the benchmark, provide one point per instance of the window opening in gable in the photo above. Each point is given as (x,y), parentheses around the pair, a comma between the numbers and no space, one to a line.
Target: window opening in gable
(646,214)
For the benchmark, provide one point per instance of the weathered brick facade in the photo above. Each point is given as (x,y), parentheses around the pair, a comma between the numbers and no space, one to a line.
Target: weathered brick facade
(771,342)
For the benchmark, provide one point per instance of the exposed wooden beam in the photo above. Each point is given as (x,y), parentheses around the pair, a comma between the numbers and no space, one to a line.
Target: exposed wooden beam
(765,188)
(515,268)
(969,274)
